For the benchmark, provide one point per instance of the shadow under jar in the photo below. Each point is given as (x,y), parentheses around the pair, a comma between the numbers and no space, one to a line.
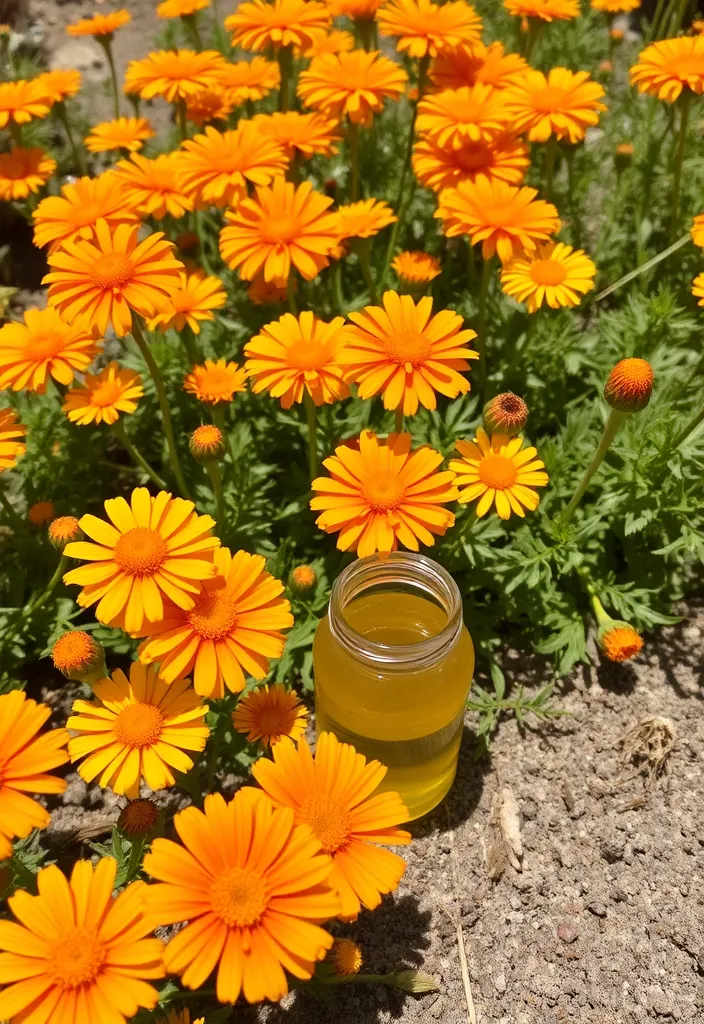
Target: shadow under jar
(393,663)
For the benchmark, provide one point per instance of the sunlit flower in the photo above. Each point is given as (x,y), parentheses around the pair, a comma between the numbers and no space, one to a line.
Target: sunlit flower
(77,953)
(216,167)
(180,8)
(365,218)
(79,656)
(545,10)
(252,886)
(59,84)
(470,114)
(153,188)
(616,6)
(284,227)
(10,447)
(506,158)
(269,713)
(345,957)
(298,355)
(499,472)
(173,74)
(489,65)
(195,300)
(103,396)
(629,385)
(100,24)
(422,27)
(698,230)
(21,102)
(136,728)
(563,104)
(698,288)
(26,758)
(42,347)
(667,67)
(74,213)
(209,105)
(505,414)
(505,219)
(23,171)
(355,84)
(383,495)
(128,133)
(415,267)
(62,531)
(102,281)
(337,41)
(300,134)
(138,818)
(619,641)
(153,548)
(207,444)
(358,10)
(553,273)
(259,25)
(335,794)
(249,79)
(215,382)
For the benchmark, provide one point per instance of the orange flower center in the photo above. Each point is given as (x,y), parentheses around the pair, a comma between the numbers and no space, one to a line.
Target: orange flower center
(549,99)
(112,271)
(140,552)
(107,394)
(474,157)
(632,376)
(73,650)
(407,348)
(239,897)
(45,345)
(207,436)
(139,725)
(307,355)
(548,272)
(275,721)
(622,643)
(214,615)
(384,492)
(216,385)
(75,958)
(497,472)
(280,229)
(139,816)
(64,528)
(329,820)
(497,216)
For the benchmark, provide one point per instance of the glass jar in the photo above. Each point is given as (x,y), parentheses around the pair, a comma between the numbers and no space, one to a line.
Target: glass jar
(393,663)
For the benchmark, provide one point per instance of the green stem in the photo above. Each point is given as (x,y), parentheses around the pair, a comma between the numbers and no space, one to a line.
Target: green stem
(523,344)
(471,265)
(284,56)
(76,151)
(362,249)
(290,296)
(679,160)
(312,437)
(191,23)
(135,859)
(163,404)
(51,586)
(118,429)
(12,514)
(613,425)
(365,27)
(534,26)
(481,341)
(654,27)
(181,119)
(398,419)
(689,429)
(215,475)
(190,344)
(677,19)
(550,159)
(599,610)
(337,288)
(15,133)
(218,414)
(644,267)
(106,43)
(353,143)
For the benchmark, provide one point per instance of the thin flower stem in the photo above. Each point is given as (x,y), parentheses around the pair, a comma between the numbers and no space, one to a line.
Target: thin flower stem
(471,265)
(337,287)
(181,119)
(49,589)
(290,296)
(613,425)
(523,343)
(534,27)
(191,23)
(190,344)
(366,29)
(550,160)
(353,143)
(284,56)
(654,27)
(106,43)
(679,160)
(12,514)
(689,429)
(76,151)
(645,267)
(215,475)
(365,266)
(398,419)
(312,436)
(218,414)
(599,610)
(118,429)
(135,859)
(481,341)
(163,405)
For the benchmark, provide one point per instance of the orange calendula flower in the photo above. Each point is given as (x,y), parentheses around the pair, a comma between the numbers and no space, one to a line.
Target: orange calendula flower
(284,227)
(21,102)
(128,133)
(26,758)
(155,547)
(553,273)
(79,656)
(232,630)
(503,218)
(698,288)
(545,10)
(365,218)
(253,887)
(423,27)
(384,495)
(216,167)
(334,793)
(337,41)
(74,213)
(488,65)
(207,106)
(59,84)
(41,513)
(10,447)
(358,10)
(153,188)
(415,267)
(100,24)
(259,25)
(207,444)
(698,230)
(249,79)
(353,84)
(136,728)
(667,67)
(499,472)
(616,6)
(77,953)
(23,171)
(295,356)
(103,281)
(62,531)
(270,713)
(455,116)
(180,8)
(215,382)
(195,300)
(42,347)
(619,641)
(103,396)
(562,104)
(505,158)
(301,135)
(406,354)
(629,385)
(174,74)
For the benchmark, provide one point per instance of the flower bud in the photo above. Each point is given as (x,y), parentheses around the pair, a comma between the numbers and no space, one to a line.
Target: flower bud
(619,641)
(623,155)
(63,531)
(629,385)
(505,414)
(302,580)
(345,957)
(138,818)
(41,513)
(617,35)
(77,655)
(207,444)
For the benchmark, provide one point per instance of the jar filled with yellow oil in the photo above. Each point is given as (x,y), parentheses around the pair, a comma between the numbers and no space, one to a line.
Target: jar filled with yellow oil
(393,664)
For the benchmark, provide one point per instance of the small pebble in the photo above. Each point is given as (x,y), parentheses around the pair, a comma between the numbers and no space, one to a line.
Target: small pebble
(567,931)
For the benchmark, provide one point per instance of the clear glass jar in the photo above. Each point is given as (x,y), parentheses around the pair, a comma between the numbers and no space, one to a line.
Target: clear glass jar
(393,663)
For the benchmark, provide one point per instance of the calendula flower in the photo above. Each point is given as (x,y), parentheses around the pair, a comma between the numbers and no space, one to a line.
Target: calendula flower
(505,219)
(253,887)
(99,25)
(334,793)
(415,267)
(629,385)
(59,84)
(41,513)
(284,227)
(455,116)
(42,347)
(77,953)
(215,382)
(616,6)
(698,230)
(194,301)
(553,273)
(209,105)
(216,167)
(383,495)
(74,213)
(563,104)
(153,188)
(136,728)
(358,10)
(505,414)
(619,641)
(365,218)
(10,447)
(698,288)
(174,74)
(26,758)
(62,531)
(138,818)
(506,158)
(353,84)
(207,444)
(544,10)
(295,356)
(345,957)
(422,27)
(155,547)
(180,8)
(128,133)
(103,281)
(301,135)
(667,67)
(499,472)
(269,713)
(232,630)
(21,102)
(260,25)
(489,65)
(103,396)
(337,41)
(79,656)
(249,79)
(23,171)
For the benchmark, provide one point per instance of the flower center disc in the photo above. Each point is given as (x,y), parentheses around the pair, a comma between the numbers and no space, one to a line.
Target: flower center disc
(275,721)
(217,383)
(72,650)
(384,492)
(113,271)
(407,347)
(75,958)
(106,394)
(139,725)
(497,472)
(214,615)
(474,157)
(548,272)
(140,552)
(280,229)
(239,897)
(44,346)
(329,821)
(307,355)
(549,99)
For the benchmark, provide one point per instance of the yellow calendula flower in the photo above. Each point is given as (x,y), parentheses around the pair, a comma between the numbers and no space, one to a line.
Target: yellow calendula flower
(103,396)
(191,304)
(269,713)
(563,104)
(667,67)
(42,347)
(215,382)
(498,472)
(128,133)
(554,274)
(23,171)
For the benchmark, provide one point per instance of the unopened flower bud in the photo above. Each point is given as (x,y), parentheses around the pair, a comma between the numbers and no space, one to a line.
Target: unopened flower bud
(41,513)
(63,531)
(629,385)
(619,641)
(77,655)
(505,414)
(345,957)
(207,444)
(302,580)
(330,187)
(138,818)
(623,155)
(617,35)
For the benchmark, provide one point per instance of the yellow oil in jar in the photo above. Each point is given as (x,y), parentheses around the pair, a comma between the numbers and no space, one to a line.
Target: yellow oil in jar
(410,718)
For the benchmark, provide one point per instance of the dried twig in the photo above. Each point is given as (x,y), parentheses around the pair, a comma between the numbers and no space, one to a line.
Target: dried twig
(464,966)
(647,746)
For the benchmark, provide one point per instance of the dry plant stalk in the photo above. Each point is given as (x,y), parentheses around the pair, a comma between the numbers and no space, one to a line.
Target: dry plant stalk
(504,845)
(647,746)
